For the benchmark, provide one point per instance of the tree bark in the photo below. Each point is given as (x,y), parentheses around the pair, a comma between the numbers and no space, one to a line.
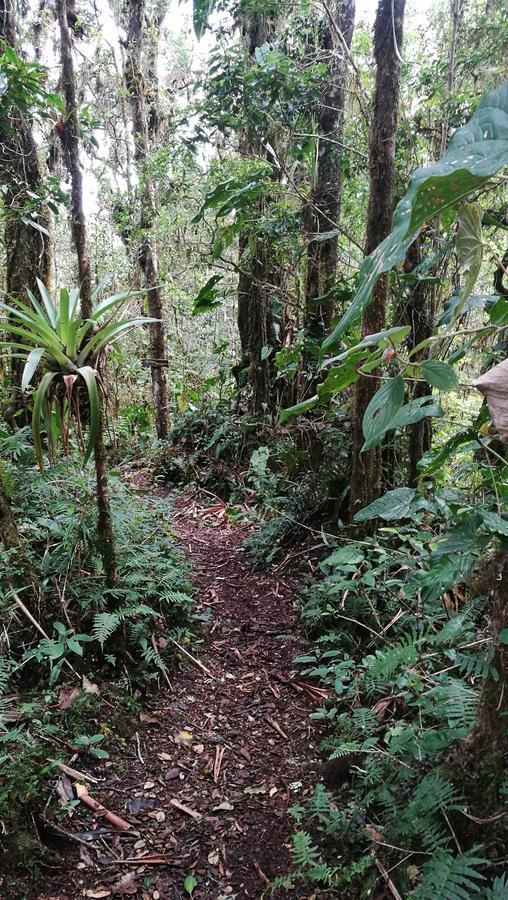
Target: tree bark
(259,278)
(419,314)
(388,30)
(27,249)
(69,133)
(145,118)
(322,211)
(70,141)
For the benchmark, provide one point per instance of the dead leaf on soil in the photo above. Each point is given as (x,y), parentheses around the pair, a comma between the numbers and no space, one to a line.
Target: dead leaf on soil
(127,884)
(150,719)
(89,687)
(97,893)
(225,805)
(66,696)
(139,804)
(183,738)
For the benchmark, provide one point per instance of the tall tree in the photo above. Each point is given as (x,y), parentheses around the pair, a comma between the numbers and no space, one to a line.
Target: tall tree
(27,240)
(70,140)
(322,211)
(259,270)
(145,118)
(388,31)
(69,133)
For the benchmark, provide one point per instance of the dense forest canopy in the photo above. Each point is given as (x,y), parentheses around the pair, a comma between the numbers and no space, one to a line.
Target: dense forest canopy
(253,429)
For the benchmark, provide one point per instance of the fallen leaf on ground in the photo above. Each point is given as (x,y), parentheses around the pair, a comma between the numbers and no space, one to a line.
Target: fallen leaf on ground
(89,687)
(138,804)
(127,884)
(226,805)
(66,696)
(149,719)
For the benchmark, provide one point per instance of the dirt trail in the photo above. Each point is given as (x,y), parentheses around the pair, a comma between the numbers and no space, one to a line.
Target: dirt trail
(218,760)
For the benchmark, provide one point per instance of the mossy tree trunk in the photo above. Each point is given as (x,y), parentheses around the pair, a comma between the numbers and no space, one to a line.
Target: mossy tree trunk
(366,477)
(27,247)
(145,119)
(69,134)
(322,212)
(259,277)
(105,534)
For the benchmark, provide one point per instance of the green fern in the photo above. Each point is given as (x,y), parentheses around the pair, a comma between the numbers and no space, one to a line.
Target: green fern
(104,625)
(448,877)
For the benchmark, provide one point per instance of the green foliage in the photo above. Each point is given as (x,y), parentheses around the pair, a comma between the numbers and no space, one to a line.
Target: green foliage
(476,152)
(65,346)
(449,877)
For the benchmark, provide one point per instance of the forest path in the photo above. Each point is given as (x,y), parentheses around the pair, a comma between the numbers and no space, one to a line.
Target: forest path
(220,757)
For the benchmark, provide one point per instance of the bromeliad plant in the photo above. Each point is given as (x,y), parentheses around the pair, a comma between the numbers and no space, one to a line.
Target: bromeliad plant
(56,340)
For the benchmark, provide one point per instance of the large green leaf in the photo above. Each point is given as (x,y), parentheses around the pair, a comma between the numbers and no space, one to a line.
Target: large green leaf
(201,9)
(392,506)
(208,297)
(469,245)
(476,152)
(298,408)
(381,410)
(439,374)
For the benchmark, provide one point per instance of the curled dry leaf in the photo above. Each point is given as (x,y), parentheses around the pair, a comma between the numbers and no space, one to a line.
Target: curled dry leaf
(494,387)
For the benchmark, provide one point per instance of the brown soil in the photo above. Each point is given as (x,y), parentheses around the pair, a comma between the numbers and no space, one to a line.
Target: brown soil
(233,748)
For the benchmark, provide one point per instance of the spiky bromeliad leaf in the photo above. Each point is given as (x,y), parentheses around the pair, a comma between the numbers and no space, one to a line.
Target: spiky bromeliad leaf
(89,376)
(37,415)
(476,152)
(33,360)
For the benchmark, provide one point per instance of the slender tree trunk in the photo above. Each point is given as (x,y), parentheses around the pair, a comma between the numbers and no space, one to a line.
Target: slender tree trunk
(104,523)
(70,141)
(27,248)
(10,538)
(419,314)
(322,212)
(259,279)
(69,134)
(388,29)
(145,123)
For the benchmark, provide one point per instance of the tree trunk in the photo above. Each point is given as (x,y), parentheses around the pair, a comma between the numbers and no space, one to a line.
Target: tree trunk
(322,211)
(24,577)
(366,469)
(104,522)
(70,141)
(259,278)
(27,249)
(69,133)
(145,117)
(419,314)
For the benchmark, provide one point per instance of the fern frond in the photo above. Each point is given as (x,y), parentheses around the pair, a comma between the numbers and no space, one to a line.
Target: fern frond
(448,877)
(104,624)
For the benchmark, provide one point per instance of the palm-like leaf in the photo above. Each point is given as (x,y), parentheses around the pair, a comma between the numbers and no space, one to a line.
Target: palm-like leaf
(55,340)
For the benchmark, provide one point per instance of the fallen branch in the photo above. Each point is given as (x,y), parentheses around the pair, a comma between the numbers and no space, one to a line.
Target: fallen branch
(276,727)
(388,881)
(74,773)
(185,809)
(192,658)
(101,810)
